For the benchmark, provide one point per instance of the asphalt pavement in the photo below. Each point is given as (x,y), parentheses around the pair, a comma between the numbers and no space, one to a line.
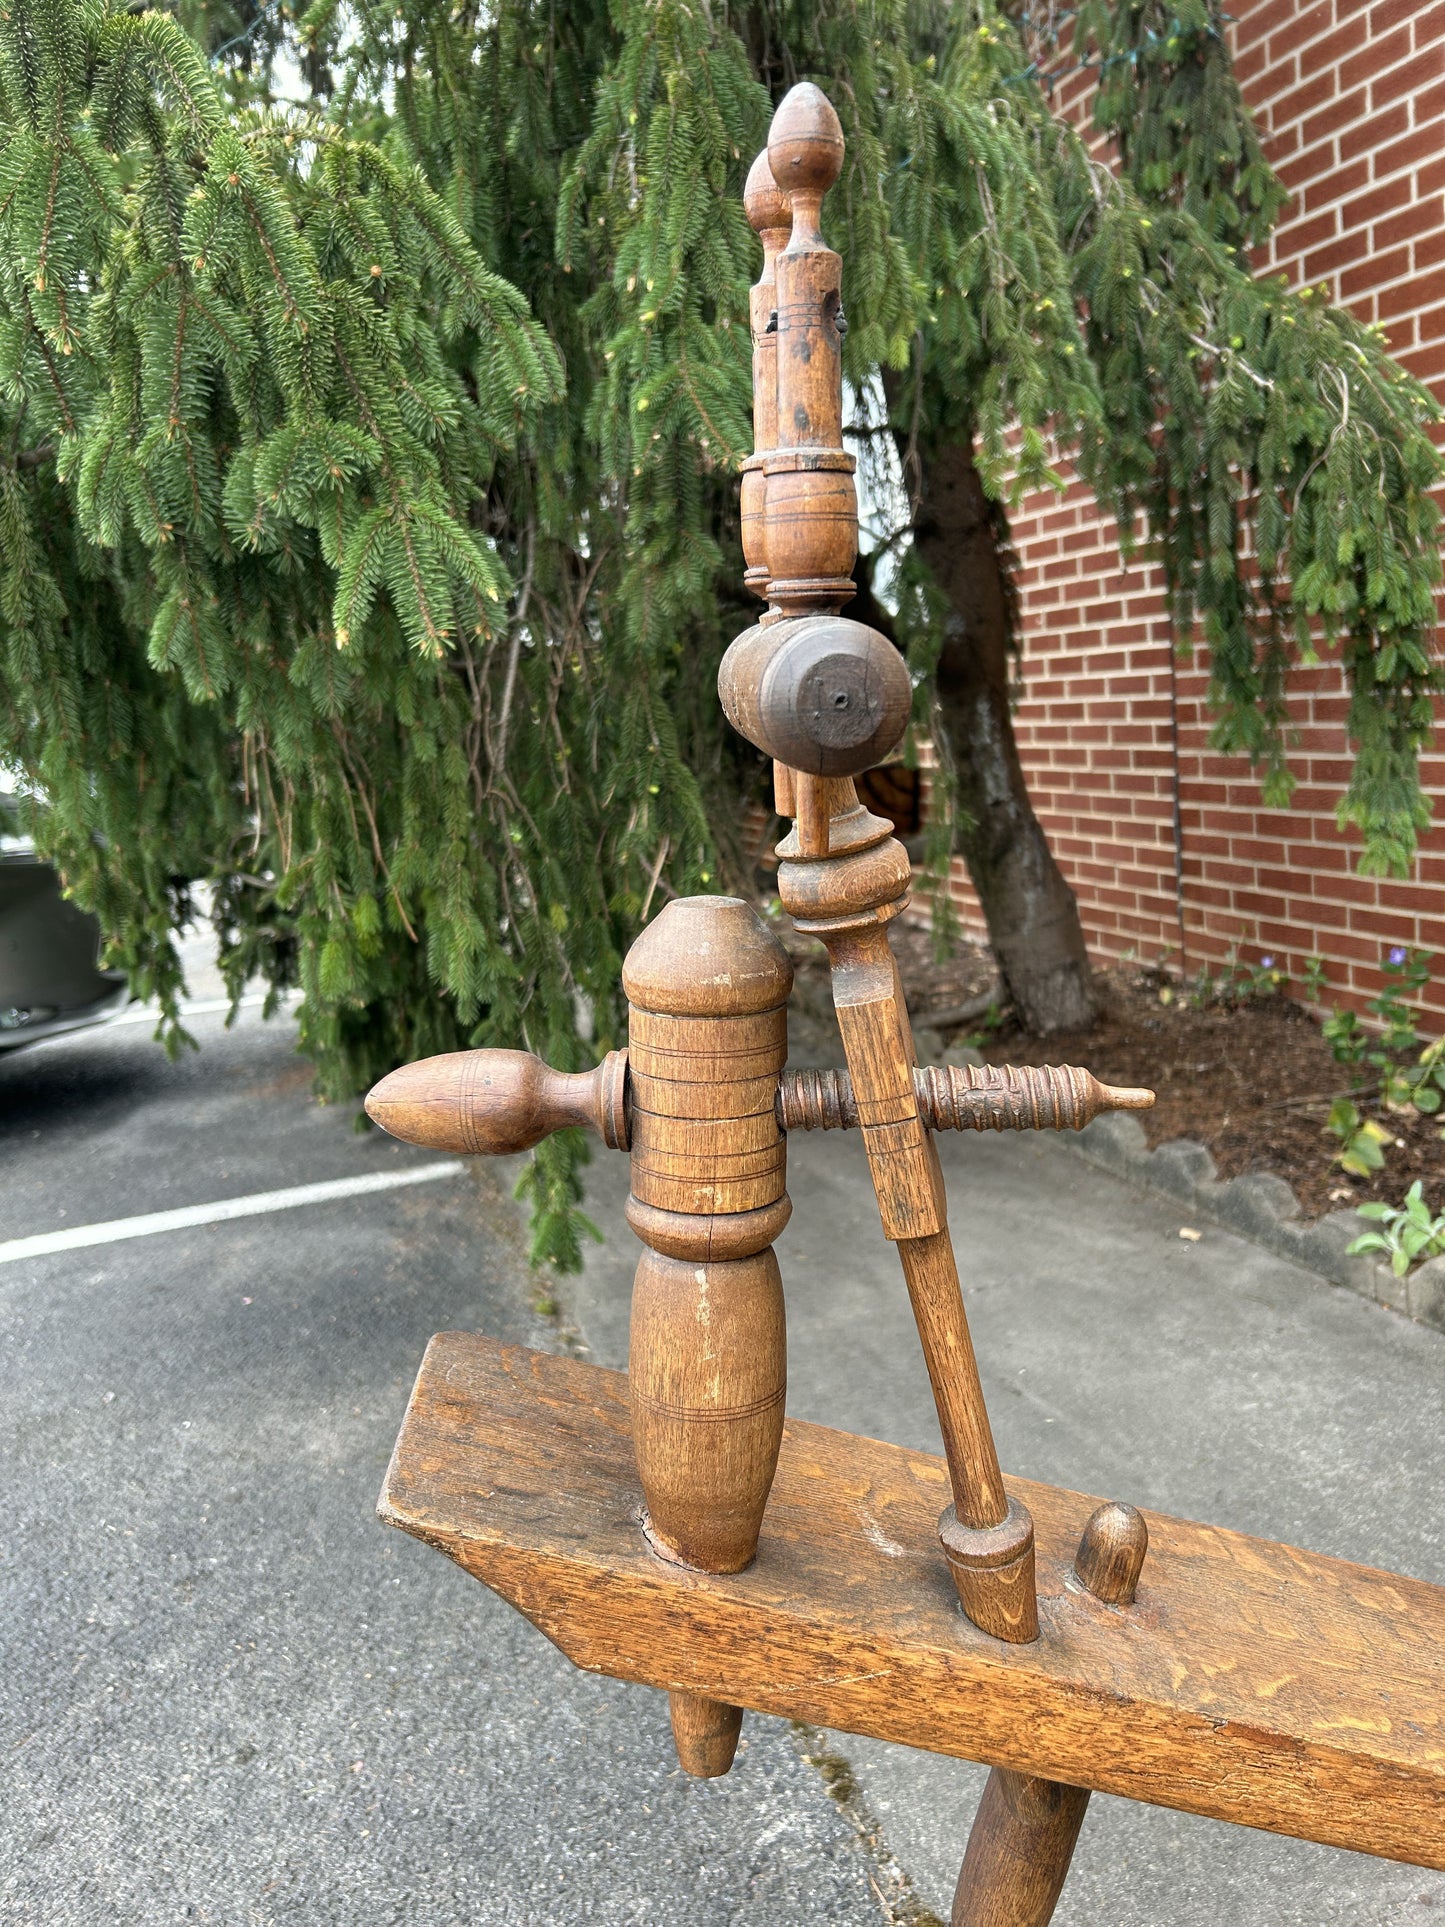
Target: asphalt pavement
(228,1695)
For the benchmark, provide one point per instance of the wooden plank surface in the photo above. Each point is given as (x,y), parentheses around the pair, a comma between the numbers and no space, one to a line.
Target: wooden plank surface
(1249,1682)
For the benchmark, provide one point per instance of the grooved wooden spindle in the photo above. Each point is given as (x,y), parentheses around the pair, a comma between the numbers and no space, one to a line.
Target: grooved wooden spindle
(707,985)
(966,1097)
(1026,1828)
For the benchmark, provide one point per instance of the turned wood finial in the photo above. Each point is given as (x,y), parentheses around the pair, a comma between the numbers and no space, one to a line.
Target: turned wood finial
(769,211)
(811,506)
(771,216)
(805,148)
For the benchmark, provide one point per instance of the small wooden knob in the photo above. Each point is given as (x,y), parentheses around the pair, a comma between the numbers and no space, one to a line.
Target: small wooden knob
(1111,1553)
(496,1102)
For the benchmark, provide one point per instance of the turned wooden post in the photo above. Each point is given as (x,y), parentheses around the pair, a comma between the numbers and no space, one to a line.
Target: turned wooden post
(827,698)
(771,219)
(695,1098)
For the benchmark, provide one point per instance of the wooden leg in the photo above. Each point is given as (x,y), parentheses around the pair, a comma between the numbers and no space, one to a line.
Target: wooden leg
(1026,1828)
(1019,1851)
(705,1732)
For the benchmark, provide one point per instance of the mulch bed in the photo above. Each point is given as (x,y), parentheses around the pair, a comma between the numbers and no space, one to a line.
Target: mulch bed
(1253,1082)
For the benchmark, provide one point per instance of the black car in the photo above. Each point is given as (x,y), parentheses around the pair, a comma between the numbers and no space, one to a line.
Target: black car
(49,977)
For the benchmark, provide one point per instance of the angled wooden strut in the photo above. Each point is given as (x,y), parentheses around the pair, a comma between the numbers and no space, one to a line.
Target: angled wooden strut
(826,698)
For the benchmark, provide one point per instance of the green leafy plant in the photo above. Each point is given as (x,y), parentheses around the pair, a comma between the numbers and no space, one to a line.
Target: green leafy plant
(1346,1036)
(1362,1139)
(374,376)
(1237,983)
(1410,1233)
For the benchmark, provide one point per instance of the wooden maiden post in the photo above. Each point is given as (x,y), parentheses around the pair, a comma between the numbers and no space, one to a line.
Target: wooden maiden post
(695,1099)
(842,874)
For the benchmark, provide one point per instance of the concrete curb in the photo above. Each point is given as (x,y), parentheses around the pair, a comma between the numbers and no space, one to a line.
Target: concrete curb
(1262,1207)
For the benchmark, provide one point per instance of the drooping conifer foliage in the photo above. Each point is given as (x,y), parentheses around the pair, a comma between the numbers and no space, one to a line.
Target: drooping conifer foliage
(374,383)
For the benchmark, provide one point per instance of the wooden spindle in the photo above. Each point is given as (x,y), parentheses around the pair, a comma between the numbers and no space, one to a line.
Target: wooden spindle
(810,500)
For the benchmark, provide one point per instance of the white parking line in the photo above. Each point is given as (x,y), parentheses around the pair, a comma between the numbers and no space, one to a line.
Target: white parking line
(258,1203)
(199,1007)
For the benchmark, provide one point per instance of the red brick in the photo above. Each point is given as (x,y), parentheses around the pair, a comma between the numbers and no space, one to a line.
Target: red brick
(1303,99)
(1342,182)
(1300,27)
(1420,217)
(1373,131)
(1380,268)
(1415,150)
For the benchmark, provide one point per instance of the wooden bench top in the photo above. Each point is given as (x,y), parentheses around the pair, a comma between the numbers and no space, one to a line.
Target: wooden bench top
(1250,1682)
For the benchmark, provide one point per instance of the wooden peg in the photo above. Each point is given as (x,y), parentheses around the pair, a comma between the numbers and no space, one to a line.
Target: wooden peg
(1111,1553)
(1026,1828)
(771,218)
(707,985)
(497,1102)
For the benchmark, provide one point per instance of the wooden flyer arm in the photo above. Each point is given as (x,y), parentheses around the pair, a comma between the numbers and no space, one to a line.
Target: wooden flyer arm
(1249,1682)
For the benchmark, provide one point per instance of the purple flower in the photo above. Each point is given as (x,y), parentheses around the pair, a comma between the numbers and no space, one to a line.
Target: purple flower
(1398,954)
(1266,963)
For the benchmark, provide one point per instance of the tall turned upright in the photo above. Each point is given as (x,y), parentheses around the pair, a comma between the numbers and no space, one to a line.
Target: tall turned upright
(771,219)
(810,500)
(695,1098)
(827,698)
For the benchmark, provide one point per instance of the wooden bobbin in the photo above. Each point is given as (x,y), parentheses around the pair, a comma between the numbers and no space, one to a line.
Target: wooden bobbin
(1026,1828)
(707,984)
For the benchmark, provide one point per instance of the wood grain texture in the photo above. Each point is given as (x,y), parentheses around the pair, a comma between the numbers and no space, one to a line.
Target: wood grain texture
(498,1102)
(810,501)
(1018,1852)
(966,1097)
(771,219)
(707,985)
(1250,1682)
(821,694)
(705,1733)
(708,1376)
(1111,1553)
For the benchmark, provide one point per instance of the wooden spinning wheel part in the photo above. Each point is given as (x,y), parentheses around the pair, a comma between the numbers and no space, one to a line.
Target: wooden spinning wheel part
(1233,1678)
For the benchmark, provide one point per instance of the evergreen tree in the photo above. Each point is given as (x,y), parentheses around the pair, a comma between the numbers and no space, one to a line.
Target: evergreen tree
(375,379)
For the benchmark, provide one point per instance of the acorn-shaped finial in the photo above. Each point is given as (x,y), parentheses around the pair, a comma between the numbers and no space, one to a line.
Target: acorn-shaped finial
(767,207)
(805,143)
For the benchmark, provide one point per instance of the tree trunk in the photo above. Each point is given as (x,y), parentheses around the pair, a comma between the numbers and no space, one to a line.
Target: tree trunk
(1033,920)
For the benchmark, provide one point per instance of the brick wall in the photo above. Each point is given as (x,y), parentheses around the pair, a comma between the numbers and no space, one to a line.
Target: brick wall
(1350,99)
